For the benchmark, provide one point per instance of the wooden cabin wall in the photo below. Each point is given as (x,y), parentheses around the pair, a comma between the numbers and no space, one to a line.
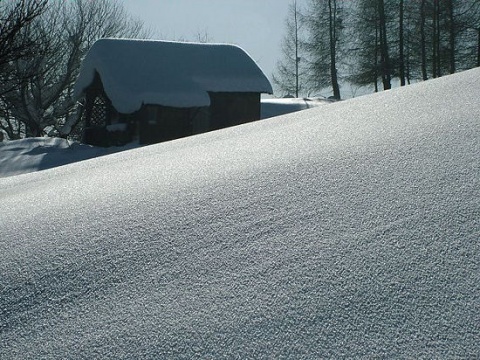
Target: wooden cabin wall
(200,119)
(161,123)
(229,109)
(155,123)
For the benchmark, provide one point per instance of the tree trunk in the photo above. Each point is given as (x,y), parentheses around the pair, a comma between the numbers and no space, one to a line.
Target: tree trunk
(451,36)
(434,39)
(436,61)
(297,59)
(33,130)
(438,38)
(423,40)
(478,47)
(376,56)
(401,45)
(332,7)
(386,77)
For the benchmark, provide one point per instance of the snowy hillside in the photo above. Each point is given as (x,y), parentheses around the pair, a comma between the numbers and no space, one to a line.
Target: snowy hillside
(349,230)
(34,154)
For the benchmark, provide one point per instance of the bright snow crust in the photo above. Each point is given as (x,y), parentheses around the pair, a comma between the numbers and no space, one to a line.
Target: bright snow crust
(35,154)
(349,230)
(136,72)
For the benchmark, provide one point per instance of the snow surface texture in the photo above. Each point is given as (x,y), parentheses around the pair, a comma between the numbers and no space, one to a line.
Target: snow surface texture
(350,230)
(137,72)
(34,154)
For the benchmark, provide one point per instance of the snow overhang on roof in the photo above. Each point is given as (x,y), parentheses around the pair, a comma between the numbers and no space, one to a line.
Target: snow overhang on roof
(136,72)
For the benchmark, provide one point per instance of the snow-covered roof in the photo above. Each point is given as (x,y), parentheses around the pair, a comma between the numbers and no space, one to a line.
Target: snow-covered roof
(178,74)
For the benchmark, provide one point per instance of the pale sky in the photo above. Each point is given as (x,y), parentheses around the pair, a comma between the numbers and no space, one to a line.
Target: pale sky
(258,26)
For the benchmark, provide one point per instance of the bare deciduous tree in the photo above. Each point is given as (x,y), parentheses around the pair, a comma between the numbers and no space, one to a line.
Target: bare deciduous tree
(324,22)
(43,101)
(389,40)
(15,17)
(290,72)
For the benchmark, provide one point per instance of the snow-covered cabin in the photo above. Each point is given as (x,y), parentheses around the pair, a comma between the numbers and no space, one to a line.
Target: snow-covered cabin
(160,90)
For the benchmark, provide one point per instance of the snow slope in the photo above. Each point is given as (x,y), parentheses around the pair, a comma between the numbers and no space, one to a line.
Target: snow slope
(34,154)
(350,230)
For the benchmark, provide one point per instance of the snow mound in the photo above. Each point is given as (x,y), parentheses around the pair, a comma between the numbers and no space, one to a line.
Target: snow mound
(34,154)
(349,230)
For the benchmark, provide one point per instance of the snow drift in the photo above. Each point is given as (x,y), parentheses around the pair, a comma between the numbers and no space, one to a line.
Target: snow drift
(350,230)
(35,154)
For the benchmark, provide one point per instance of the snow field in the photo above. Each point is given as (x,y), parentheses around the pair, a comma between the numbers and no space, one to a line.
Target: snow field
(349,230)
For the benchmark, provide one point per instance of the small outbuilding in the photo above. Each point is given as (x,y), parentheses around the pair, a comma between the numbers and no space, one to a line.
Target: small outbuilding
(153,91)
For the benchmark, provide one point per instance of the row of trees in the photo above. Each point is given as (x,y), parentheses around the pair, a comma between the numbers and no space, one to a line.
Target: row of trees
(42,43)
(376,43)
